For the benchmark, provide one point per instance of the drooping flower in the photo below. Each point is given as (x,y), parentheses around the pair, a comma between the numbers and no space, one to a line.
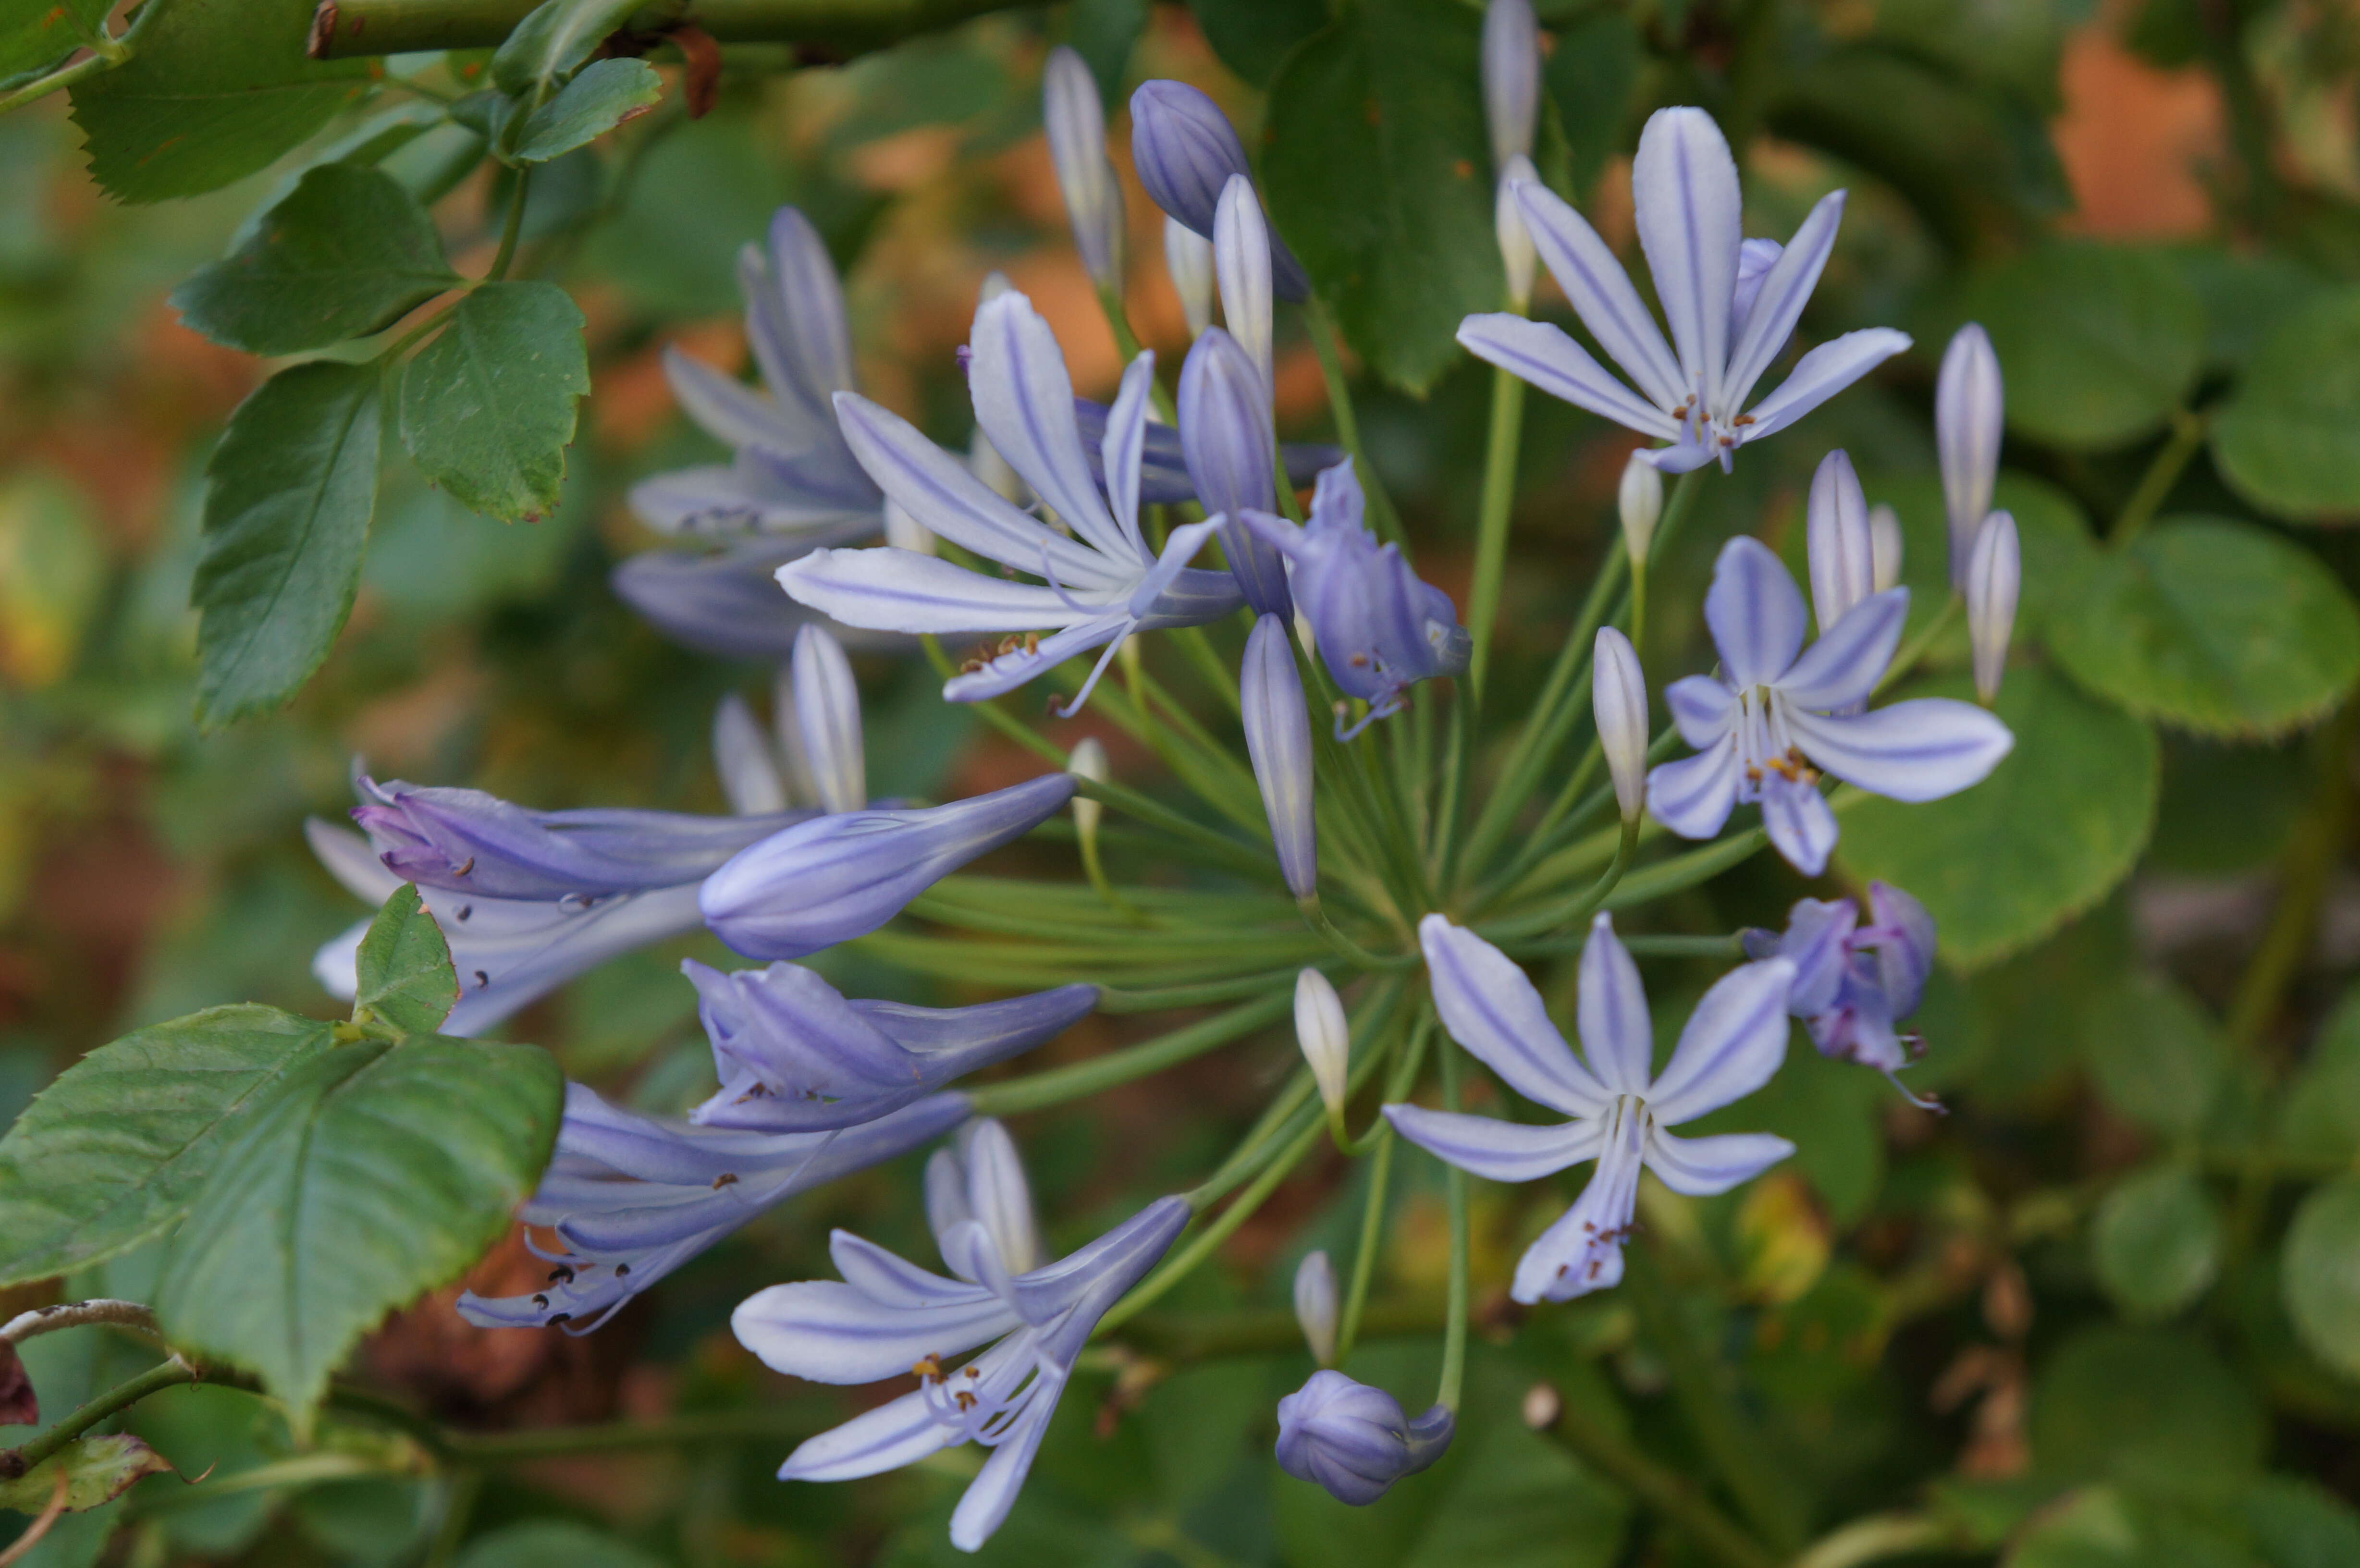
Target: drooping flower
(1098,586)
(1732,304)
(1378,627)
(630,1198)
(1770,723)
(1185,150)
(889,1317)
(1353,1440)
(1852,982)
(1970,409)
(1730,1047)
(1278,743)
(1994,578)
(794,1054)
(1076,122)
(834,878)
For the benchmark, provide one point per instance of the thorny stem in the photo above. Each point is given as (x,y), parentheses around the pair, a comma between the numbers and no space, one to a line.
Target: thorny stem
(1491,516)
(1348,424)
(2162,474)
(1665,1491)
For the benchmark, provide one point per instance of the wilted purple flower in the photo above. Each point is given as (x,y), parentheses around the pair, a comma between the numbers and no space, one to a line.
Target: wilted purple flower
(793,474)
(1730,1046)
(1353,1440)
(1771,723)
(834,877)
(1278,740)
(889,1317)
(630,1198)
(1378,627)
(1185,150)
(1076,122)
(795,1055)
(1683,186)
(1099,585)
(1842,547)
(1994,578)
(1853,981)
(1227,434)
(1970,408)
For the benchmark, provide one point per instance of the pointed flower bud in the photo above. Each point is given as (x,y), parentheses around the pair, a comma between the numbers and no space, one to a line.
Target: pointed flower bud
(1188,256)
(1516,252)
(1843,547)
(1994,575)
(1353,1440)
(1512,78)
(1241,260)
(1968,410)
(1326,1038)
(827,720)
(1185,150)
(842,875)
(1076,122)
(1640,503)
(1884,546)
(1618,696)
(1278,738)
(1315,1303)
(1227,439)
(1088,760)
(741,756)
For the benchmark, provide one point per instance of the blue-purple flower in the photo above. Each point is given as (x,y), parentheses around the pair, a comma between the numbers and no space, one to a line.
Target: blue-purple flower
(1732,304)
(794,1054)
(1099,584)
(1378,627)
(1853,981)
(1730,1046)
(630,1198)
(1278,742)
(1076,122)
(1185,150)
(724,602)
(889,1317)
(1771,723)
(1970,413)
(1353,1440)
(1229,441)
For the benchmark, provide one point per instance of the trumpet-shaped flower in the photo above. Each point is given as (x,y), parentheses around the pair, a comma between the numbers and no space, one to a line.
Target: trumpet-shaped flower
(1771,723)
(1379,628)
(1353,1440)
(889,1317)
(1732,304)
(795,1055)
(630,1198)
(1620,1114)
(1099,584)
(1852,982)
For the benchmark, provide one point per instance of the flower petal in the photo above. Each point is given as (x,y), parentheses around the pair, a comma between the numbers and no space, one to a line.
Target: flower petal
(1918,750)
(796,327)
(1544,356)
(1844,666)
(1495,1150)
(1024,404)
(1730,1045)
(1701,1167)
(900,1432)
(1123,445)
(1005,672)
(1490,1008)
(1800,826)
(984,1506)
(891,1281)
(831,1333)
(902,591)
(1821,373)
(1785,291)
(1756,613)
(723,407)
(741,756)
(1694,796)
(1684,193)
(1613,1012)
(1703,710)
(1583,1250)
(1601,294)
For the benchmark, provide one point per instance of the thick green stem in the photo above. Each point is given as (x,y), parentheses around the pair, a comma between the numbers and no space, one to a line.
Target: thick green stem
(1100,1074)
(1492,519)
(1665,1492)
(1348,424)
(14,1462)
(2162,474)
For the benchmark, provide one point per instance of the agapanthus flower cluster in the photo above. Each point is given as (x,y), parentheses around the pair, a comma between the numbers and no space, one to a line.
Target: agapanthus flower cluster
(1380,887)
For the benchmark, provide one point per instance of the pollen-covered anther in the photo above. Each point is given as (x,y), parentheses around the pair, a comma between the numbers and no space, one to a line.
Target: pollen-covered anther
(726,1179)
(929,1367)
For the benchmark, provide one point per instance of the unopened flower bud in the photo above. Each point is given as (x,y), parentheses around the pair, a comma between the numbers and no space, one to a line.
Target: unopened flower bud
(1088,760)
(1188,256)
(1241,262)
(1326,1039)
(1185,150)
(1994,576)
(1968,410)
(1512,78)
(1841,546)
(1884,546)
(1353,1440)
(741,755)
(1641,501)
(1618,697)
(1314,1303)
(1278,739)
(1516,253)
(1076,120)
(827,720)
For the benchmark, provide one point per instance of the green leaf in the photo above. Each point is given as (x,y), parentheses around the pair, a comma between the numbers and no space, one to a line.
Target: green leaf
(287,519)
(97,1470)
(2320,1117)
(2157,1242)
(2320,1273)
(2216,626)
(1104,33)
(2091,1529)
(2099,343)
(374,1173)
(2056,824)
(45,32)
(1378,173)
(218,89)
(2149,1407)
(607,94)
(348,252)
(553,1543)
(2283,439)
(111,1153)
(1589,76)
(2227,809)
(2156,1056)
(487,406)
(1252,37)
(2053,534)
(404,964)
(554,40)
